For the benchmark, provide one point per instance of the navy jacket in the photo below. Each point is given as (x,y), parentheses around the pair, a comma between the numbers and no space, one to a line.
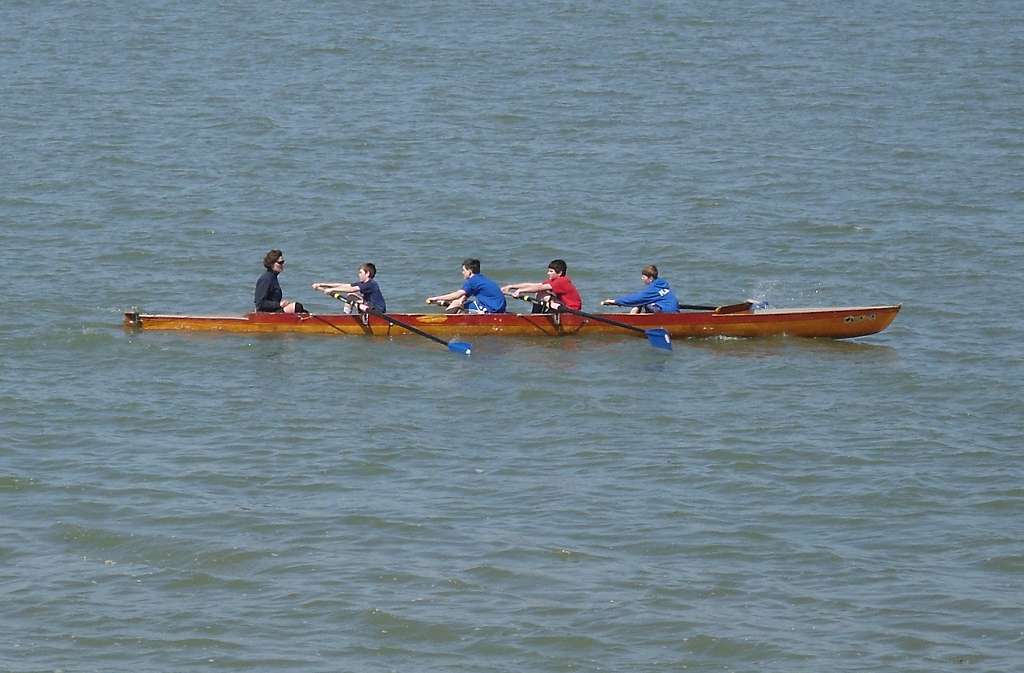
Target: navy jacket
(268,293)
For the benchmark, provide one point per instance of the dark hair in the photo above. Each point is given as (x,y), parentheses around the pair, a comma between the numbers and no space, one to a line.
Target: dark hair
(270,258)
(650,271)
(558,266)
(472,264)
(369,268)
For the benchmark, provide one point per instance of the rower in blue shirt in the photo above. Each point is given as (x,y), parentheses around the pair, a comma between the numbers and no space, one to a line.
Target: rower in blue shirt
(366,288)
(479,294)
(656,297)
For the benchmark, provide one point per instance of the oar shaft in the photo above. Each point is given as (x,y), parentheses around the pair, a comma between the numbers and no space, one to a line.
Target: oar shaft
(725,308)
(588,316)
(591,316)
(657,337)
(404,325)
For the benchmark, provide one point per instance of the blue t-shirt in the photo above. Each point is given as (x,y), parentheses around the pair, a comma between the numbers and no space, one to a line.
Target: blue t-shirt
(372,295)
(486,291)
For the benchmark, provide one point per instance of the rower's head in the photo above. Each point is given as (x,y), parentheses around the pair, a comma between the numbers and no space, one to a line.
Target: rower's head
(649,273)
(470,267)
(272,259)
(557,267)
(367,271)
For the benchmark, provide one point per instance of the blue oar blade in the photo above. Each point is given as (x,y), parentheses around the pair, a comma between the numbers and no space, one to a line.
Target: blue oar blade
(659,338)
(460,347)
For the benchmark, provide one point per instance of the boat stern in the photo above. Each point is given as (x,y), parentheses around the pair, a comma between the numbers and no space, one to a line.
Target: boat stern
(133,319)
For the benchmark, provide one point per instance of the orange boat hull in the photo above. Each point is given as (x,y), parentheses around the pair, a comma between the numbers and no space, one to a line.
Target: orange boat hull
(831,323)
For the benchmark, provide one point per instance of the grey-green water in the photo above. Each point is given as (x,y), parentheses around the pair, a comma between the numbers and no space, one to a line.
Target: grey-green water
(173,502)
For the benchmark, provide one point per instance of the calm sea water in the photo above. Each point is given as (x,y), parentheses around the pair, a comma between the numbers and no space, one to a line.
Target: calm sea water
(182,502)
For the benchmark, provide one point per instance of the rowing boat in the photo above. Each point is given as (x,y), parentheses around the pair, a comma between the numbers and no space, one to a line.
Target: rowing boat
(832,323)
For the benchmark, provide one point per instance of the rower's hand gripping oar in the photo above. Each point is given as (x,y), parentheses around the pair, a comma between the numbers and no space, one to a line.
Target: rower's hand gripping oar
(657,337)
(460,347)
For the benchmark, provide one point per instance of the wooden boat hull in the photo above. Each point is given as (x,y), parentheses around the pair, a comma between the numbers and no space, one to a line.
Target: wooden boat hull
(831,323)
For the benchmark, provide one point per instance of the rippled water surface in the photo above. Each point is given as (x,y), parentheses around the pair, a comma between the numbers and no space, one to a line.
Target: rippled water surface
(195,502)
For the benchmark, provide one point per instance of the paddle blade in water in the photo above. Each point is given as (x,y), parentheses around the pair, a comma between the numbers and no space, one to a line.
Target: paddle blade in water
(659,338)
(460,347)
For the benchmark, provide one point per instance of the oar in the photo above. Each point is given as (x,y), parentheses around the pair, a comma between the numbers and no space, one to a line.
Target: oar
(454,346)
(728,308)
(657,337)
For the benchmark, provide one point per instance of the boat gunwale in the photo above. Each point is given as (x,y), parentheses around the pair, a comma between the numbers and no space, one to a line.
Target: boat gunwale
(474,318)
(845,322)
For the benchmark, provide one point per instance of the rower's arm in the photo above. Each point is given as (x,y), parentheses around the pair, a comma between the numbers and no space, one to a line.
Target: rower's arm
(335,287)
(526,287)
(451,296)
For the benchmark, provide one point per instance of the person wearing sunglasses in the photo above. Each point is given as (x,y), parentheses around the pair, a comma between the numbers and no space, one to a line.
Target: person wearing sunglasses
(268,297)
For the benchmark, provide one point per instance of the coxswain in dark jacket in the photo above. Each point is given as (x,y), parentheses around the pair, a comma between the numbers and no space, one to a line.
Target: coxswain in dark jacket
(268,297)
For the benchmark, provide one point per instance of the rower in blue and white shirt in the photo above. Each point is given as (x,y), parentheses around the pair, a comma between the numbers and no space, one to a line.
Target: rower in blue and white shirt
(656,297)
